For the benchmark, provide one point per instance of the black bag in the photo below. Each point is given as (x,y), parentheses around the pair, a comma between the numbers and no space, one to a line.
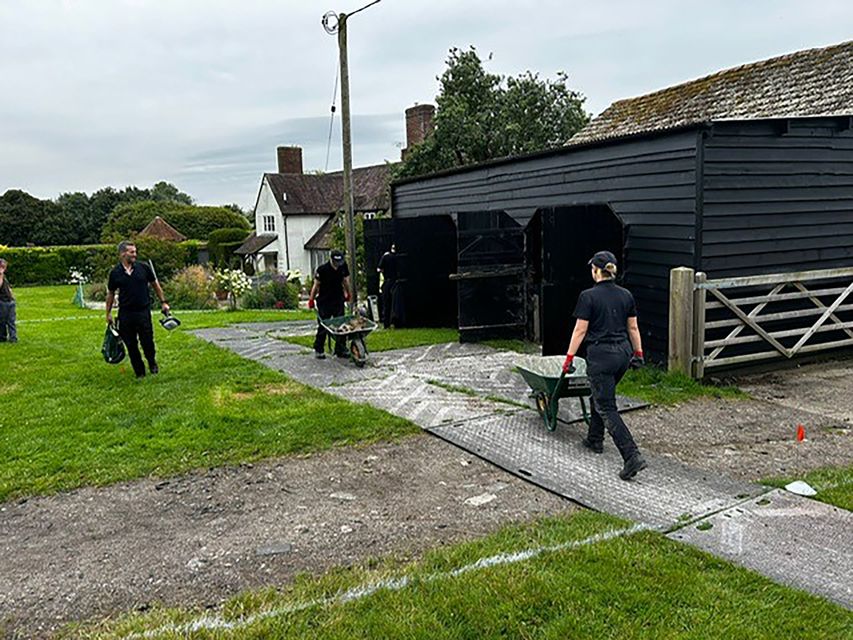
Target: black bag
(113,347)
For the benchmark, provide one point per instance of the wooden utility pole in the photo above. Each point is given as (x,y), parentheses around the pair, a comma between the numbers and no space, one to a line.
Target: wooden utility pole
(347,145)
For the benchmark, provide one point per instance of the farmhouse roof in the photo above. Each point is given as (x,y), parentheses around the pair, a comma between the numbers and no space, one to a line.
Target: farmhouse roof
(813,82)
(159,228)
(298,193)
(322,239)
(254,243)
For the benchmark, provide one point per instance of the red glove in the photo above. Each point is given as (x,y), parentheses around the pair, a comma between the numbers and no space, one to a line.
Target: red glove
(638,354)
(567,365)
(310,303)
(346,296)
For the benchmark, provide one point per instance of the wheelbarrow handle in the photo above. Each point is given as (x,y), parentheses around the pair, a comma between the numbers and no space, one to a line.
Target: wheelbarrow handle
(555,396)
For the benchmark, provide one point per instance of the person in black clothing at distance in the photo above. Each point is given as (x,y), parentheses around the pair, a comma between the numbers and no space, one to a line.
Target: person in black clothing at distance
(330,291)
(8,321)
(606,320)
(131,279)
(388,268)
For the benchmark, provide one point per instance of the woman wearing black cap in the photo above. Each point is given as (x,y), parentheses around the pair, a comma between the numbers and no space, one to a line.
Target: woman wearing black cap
(607,320)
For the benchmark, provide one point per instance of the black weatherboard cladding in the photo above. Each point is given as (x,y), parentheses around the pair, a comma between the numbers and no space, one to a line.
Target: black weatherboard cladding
(778,196)
(649,183)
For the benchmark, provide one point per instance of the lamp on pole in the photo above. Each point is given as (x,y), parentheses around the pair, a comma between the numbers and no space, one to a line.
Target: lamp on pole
(336,23)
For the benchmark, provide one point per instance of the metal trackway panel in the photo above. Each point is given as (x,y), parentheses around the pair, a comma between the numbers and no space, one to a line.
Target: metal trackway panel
(425,404)
(662,496)
(796,541)
(492,375)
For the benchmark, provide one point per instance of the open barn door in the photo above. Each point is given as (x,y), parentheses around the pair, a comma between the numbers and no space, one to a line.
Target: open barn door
(491,276)
(426,258)
(570,236)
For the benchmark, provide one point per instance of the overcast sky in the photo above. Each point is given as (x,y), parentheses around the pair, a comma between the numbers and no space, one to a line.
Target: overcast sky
(200,92)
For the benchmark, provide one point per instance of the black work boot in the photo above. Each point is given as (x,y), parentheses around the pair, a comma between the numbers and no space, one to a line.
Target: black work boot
(595,447)
(633,466)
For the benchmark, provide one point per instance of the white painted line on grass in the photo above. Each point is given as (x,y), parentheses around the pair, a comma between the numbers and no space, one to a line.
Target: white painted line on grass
(217,623)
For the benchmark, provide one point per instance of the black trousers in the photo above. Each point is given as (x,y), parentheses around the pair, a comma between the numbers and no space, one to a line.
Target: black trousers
(387,302)
(325,311)
(605,366)
(133,326)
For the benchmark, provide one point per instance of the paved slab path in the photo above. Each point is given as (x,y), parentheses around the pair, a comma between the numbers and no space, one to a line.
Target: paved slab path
(469,395)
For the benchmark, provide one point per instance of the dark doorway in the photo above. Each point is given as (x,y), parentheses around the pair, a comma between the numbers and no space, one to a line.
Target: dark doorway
(570,236)
(426,254)
(491,276)
(378,236)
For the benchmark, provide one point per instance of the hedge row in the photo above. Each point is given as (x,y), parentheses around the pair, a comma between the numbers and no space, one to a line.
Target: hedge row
(53,265)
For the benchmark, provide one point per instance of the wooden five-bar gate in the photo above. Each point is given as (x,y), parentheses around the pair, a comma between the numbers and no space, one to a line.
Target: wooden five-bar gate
(727,322)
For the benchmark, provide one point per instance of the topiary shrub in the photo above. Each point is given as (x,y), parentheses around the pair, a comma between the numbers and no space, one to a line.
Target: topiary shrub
(194,222)
(192,287)
(222,243)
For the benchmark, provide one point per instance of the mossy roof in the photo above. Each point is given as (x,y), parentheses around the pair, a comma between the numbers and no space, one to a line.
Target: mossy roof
(813,82)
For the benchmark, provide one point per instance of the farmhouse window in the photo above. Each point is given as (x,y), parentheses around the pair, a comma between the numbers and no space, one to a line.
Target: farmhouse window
(269,224)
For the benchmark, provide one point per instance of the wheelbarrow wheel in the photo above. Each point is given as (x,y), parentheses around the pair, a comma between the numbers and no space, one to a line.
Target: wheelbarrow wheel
(543,406)
(358,351)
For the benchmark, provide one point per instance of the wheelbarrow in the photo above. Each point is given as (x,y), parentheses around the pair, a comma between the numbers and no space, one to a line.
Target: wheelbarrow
(548,384)
(355,329)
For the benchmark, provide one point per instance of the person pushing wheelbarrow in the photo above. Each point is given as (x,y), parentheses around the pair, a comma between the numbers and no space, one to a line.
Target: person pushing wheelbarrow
(606,323)
(330,291)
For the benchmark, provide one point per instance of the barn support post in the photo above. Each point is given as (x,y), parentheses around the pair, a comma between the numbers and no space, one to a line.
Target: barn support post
(681,320)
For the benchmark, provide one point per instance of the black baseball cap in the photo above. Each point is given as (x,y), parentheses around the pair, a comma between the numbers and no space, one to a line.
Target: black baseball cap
(601,259)
(337,256)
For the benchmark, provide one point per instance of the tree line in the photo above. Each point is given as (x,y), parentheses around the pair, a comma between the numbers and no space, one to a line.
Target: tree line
(78,218)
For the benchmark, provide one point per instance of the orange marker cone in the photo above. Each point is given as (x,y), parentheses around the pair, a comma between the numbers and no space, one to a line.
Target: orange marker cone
(801,433)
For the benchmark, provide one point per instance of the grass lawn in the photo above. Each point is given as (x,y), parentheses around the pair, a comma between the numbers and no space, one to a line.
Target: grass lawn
(387,339)
(638,586)
(834,485)
(67,419)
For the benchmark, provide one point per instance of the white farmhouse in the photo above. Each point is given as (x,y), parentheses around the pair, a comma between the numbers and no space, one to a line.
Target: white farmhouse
(295,213)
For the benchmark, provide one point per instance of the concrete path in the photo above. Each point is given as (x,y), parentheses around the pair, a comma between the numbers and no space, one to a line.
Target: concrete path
(469,396)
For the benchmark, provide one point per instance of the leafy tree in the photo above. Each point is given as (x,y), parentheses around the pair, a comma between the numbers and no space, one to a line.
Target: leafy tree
(25,219)
(481,116)
(167,192)
(85,229)
(194,222)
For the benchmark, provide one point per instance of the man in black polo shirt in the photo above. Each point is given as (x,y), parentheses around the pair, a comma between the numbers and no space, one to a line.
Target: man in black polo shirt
(330,290)
(388,268)
(131,279)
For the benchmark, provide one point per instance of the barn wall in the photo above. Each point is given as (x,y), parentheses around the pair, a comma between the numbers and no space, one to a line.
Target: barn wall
(649,183)
(778,196)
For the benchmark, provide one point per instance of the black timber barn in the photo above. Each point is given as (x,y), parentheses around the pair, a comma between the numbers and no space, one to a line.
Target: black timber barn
(746,171)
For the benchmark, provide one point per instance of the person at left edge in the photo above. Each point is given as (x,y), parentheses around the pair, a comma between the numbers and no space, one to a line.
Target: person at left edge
(330,290)
(131,279)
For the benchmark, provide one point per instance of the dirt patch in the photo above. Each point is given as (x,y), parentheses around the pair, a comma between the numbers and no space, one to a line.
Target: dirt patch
(756,438)
(200,538)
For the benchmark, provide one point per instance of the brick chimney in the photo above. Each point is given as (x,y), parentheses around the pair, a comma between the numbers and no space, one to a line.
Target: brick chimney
(420,122)
(289,159)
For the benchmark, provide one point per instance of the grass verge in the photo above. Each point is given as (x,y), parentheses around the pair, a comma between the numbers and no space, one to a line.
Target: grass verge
(388,339)
(637,586)
(656,386)
(834,485)
(67,419)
